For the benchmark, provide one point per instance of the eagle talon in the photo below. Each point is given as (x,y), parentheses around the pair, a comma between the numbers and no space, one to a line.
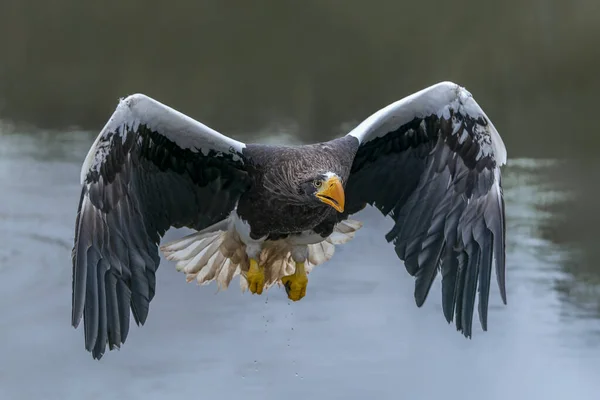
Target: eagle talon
(295,284)
(255,277)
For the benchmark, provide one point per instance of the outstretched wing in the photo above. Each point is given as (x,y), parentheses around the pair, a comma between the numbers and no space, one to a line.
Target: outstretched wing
(150,168)
(432,162)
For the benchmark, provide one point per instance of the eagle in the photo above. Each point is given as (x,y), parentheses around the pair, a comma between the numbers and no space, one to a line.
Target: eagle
(270,213)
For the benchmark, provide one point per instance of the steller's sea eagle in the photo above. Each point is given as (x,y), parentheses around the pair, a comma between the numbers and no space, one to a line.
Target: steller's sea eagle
(270,213)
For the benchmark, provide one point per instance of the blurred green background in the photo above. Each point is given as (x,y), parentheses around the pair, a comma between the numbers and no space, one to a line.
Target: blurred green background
(240,66)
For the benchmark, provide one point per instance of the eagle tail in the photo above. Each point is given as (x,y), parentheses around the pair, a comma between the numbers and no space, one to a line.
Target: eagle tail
(214,253)
(217,253)
(342,233)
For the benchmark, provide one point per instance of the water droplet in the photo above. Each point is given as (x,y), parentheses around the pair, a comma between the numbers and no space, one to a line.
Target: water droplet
(296,374)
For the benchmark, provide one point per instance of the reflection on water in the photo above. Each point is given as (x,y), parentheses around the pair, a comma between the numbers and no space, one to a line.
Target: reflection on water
(552,205)
(356,334)
(574,228)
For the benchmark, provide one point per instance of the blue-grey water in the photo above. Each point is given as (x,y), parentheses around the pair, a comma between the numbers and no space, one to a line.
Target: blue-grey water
(357,333)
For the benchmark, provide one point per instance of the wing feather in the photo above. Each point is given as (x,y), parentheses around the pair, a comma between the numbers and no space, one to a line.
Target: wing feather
(432,162)
(150,168)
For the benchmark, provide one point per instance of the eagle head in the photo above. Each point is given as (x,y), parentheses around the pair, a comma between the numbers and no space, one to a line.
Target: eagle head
(325,188)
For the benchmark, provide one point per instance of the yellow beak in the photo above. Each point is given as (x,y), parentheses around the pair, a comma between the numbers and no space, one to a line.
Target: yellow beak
(332,193)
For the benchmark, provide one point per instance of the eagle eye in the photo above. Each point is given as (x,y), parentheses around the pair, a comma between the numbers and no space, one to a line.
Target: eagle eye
(317,183)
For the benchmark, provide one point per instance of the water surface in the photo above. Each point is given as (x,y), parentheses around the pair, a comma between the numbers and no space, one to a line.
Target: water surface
(357,333)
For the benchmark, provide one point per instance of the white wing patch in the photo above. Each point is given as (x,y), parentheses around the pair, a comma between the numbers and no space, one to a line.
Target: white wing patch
(438,99)
(139,109)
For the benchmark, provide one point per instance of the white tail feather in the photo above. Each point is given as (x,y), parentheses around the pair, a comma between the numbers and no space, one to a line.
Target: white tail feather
(217,253)
(320,252)
(347,229)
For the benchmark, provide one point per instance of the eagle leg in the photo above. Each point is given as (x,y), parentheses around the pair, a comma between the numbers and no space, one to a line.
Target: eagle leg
(295,284)
(255,277)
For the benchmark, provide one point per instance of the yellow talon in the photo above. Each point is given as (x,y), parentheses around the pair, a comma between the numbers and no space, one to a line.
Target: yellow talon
(256,277)
(295,284)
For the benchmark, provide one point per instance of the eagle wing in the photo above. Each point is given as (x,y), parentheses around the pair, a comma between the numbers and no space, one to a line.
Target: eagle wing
(150,168)
(432,162)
